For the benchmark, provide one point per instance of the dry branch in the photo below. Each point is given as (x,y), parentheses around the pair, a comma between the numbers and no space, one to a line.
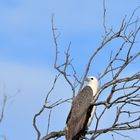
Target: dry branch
(3,108)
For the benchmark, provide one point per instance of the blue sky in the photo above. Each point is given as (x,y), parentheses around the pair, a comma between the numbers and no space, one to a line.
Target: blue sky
(27,53)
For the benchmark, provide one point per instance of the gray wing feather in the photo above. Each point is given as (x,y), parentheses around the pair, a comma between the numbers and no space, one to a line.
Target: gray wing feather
(77,116)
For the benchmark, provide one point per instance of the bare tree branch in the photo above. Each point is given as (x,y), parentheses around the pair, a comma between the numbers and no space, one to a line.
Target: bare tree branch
(49,122)
(62,68)
(3,108)
(42,109)
(104,17)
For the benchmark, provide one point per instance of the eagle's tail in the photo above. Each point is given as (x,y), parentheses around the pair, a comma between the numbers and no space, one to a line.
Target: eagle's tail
(69,136)
(78,136)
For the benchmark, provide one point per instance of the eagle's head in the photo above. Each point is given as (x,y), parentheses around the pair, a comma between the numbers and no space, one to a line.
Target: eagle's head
(93,83)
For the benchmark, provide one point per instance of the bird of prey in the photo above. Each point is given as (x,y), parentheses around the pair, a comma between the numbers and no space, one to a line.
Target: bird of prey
(82,111)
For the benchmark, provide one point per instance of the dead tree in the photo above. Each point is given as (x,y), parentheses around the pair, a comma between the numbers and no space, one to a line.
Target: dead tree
(122,91)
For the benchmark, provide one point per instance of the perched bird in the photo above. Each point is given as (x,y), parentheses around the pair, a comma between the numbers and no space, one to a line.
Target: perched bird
(82,111)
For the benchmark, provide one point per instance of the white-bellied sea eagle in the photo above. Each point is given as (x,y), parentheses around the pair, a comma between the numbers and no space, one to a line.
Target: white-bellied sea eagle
(82,111)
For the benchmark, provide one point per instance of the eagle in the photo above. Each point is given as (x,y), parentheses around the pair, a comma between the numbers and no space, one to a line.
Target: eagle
(82,111)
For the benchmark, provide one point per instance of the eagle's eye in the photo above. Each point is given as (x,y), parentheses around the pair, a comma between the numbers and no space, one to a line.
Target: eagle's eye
(92,78)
